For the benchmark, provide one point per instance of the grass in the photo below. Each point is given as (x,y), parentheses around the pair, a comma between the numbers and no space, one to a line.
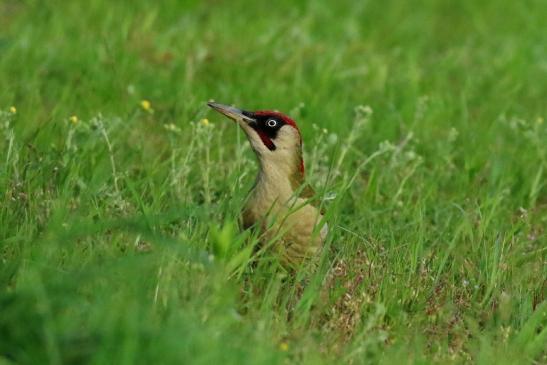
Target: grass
(424,132)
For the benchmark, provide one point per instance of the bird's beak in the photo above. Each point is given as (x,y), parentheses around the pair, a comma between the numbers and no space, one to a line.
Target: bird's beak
(235,114)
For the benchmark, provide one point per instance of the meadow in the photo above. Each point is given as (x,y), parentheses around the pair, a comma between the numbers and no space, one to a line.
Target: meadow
(424,136)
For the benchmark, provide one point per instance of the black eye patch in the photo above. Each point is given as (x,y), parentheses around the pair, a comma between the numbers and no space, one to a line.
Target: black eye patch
(269,126)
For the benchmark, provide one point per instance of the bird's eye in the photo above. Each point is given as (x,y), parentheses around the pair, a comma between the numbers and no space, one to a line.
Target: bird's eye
(271,123)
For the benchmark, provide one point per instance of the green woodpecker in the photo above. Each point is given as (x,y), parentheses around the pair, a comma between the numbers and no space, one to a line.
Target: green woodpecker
(279,203)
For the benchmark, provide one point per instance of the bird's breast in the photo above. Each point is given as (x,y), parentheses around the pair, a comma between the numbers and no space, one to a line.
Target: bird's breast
(294,218)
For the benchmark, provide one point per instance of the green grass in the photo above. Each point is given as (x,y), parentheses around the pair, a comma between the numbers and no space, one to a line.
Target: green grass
(423,127)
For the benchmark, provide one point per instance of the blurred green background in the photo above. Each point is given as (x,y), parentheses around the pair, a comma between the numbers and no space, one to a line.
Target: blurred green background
(424,130)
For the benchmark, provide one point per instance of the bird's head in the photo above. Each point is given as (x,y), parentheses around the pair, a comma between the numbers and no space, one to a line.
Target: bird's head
(274,137)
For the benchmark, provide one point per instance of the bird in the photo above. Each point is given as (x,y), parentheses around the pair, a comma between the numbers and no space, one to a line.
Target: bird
(280,204)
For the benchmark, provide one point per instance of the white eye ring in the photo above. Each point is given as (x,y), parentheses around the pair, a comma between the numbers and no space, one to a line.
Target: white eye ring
(271,123)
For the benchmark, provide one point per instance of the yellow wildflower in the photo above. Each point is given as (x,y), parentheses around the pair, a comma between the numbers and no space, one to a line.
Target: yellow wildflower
(146,105)
(283,346)
(204,122)
(540,120)
(12,110)
(73,119)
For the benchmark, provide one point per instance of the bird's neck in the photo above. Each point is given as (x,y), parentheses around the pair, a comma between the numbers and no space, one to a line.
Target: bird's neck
(278,181)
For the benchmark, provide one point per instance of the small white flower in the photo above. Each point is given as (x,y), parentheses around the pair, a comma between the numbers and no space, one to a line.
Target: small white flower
(365,110)
(411,155)
(332,138)
(452,134)
(171,127)
(386,146)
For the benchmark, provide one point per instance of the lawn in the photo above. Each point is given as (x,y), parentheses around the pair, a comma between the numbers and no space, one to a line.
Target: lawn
(120,190)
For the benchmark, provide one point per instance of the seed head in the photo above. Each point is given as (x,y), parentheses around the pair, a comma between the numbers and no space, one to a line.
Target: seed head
(171,127)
